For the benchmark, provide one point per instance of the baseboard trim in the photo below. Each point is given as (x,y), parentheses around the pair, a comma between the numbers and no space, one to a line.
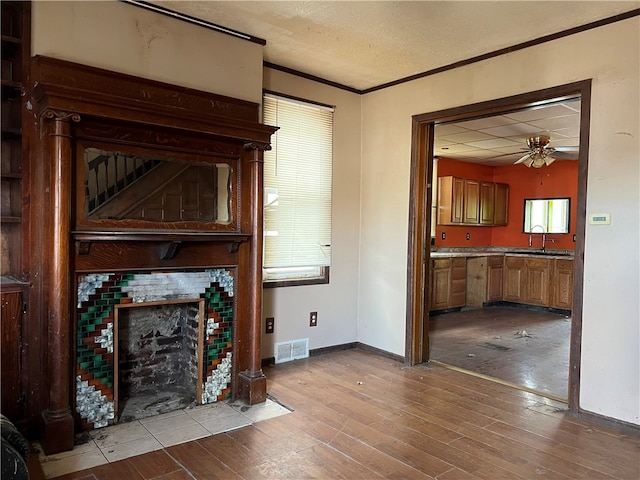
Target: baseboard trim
(379,351)
(619,426)
(333,348)
(270,361)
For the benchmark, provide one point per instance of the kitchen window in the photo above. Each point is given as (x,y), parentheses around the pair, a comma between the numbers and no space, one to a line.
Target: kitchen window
(297,192)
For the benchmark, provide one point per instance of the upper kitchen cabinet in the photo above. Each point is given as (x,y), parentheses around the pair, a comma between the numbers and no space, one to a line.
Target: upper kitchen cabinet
(471,202)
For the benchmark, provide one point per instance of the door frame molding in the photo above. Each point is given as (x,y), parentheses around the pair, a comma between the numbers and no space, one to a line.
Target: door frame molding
(418,265)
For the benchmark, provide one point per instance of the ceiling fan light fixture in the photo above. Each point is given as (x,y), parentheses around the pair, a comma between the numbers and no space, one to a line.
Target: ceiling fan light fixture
(539,156)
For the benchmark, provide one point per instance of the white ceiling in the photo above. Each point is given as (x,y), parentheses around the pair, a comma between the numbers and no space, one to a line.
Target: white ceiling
(366,44)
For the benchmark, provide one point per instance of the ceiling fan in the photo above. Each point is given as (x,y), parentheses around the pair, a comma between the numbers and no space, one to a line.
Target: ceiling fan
(540,152)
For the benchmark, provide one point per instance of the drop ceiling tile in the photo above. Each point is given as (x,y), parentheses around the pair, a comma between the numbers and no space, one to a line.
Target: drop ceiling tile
(539,113)
(486,122)
(467,137)
(553,123)
(453,148)
(562,134)
(494,143)
(522,130)
(448,129)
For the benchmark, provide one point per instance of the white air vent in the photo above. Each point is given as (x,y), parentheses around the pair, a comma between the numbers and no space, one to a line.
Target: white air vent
(292,350)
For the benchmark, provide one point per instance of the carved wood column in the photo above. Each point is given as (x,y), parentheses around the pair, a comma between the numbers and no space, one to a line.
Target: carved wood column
(252,383)
(58,421)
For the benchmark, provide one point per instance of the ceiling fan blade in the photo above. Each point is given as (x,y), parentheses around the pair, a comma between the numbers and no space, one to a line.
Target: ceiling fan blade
(523,159)
(566,149)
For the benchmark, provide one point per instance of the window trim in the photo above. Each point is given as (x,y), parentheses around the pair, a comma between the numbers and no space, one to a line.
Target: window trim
(322,280)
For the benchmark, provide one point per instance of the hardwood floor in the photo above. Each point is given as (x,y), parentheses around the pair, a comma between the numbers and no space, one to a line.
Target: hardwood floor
(360,415)
(524,347)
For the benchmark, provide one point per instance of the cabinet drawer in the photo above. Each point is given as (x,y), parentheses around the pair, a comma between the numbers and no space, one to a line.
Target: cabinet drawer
(441,263)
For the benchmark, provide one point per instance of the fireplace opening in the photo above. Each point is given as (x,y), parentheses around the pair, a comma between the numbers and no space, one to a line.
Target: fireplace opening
(157,357)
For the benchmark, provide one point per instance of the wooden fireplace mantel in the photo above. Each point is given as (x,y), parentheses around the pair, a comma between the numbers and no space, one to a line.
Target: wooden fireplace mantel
(77,106)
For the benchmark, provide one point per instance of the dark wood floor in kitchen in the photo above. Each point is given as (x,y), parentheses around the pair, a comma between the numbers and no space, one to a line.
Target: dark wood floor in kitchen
(361,415)
(517,345)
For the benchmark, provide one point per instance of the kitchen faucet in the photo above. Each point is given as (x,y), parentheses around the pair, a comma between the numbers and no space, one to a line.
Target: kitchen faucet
(544,235)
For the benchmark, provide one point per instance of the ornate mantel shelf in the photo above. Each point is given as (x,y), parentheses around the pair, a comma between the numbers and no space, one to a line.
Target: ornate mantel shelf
(165,247)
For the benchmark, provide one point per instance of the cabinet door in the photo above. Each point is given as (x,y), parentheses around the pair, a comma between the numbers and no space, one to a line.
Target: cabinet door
(514,273)
(494,279)
(501,204)
(450,200)
(538,281)
(458,288)
(487,202)
(563,284)
(11,325)
(440,282)
(471,211)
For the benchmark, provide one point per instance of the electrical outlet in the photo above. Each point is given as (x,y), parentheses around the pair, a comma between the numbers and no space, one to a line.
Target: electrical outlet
(468,235)
(269,325)
(313,319)
(444,235)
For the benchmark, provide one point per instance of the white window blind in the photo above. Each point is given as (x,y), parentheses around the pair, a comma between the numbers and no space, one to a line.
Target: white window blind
(297,181)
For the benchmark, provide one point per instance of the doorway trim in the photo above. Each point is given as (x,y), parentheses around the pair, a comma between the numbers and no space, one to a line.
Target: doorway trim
(418,264)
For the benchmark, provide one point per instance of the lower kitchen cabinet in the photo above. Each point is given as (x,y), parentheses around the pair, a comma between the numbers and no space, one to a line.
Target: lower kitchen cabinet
(562,292)
(448,283)
(537,281)
(484,280)
(514,273)
(547,282)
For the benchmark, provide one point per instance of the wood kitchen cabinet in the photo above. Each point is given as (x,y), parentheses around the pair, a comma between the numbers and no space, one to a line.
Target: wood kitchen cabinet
(463,201)
(514,273)
(534,281)
(487,203)
(537,281)
(484,280)
(448,283)
(471,202)
(450,200)
(562,286)
(500,204)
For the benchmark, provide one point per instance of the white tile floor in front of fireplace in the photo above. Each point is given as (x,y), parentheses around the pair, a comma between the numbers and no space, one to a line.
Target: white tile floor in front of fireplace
(125,440)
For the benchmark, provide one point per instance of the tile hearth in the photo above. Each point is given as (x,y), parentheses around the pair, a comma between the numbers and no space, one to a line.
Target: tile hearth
(125,440)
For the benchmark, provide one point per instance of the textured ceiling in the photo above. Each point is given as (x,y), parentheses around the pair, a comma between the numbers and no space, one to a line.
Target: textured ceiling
(365,44)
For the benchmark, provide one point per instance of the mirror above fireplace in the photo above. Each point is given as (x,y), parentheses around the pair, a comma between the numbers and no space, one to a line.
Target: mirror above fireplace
(124,186)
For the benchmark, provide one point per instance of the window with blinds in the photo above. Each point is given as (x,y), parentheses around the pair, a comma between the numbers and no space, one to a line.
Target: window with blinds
(297,190)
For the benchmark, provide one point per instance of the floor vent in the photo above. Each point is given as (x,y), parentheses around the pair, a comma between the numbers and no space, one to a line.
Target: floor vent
(292,350)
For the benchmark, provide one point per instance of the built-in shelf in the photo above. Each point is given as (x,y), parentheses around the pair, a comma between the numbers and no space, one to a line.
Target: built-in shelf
(10,219)
(10,175)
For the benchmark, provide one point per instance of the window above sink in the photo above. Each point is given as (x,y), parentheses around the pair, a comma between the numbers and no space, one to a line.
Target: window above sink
(546,215)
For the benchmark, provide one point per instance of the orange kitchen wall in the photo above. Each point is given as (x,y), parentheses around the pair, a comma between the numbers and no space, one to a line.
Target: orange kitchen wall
(560,179)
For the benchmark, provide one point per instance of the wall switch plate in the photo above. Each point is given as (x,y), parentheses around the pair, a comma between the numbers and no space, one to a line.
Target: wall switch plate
(270,325)
(313,319)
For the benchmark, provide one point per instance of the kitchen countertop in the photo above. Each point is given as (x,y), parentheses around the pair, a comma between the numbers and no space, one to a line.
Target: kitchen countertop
(453,252)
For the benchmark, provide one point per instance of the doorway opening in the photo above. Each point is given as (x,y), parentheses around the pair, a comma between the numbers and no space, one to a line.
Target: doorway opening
(418,346)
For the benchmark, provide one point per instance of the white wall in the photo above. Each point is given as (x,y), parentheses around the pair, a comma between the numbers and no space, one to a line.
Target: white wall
(610,380)
(127,39)
(336,303)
